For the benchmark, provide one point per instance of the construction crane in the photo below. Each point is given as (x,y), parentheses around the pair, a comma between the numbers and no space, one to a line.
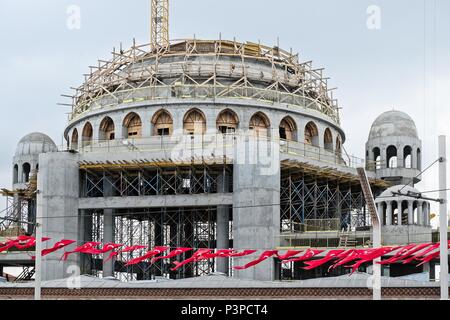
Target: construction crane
(159,24)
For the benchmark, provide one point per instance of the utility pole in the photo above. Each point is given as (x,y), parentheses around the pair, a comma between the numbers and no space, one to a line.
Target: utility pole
(443,222)
(38,254)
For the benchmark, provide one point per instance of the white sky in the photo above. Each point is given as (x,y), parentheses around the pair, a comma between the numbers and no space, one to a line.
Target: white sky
(374,70)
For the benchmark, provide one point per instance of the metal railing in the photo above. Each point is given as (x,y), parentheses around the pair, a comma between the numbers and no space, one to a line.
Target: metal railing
(216,145)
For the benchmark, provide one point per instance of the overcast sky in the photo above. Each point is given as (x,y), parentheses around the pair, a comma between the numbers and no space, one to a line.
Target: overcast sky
(375,70)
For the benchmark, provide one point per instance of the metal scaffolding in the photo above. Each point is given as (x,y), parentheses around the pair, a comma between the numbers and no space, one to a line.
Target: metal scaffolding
(171,227)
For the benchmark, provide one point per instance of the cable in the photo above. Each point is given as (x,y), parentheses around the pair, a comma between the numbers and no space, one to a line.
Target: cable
(423,171)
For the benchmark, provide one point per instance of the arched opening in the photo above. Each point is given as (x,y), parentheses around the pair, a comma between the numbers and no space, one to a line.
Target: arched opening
(288,129)
(87,134)
(26,169)
(259,125)
(16,174)
(227,122)
(107,129)
(162,123)
(328,139)
(74,140)
(194,122)
(419,159)
(407,157)
(132,126)
(311,134)
(391,154)
(377,157)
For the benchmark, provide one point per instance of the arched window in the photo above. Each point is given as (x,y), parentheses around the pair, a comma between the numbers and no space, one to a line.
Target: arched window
(162,123)
(194,122)
(26,169)
(377,157)
(16,174)
(107,129)
(87,134)
(132,126)
(419,159)
(407,157)
(259,125)
(288,129)
(391,154)
(227,122)
(328,139)
(311,134)
(74,140)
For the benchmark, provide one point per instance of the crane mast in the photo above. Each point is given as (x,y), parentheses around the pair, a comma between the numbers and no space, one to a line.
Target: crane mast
(160,24)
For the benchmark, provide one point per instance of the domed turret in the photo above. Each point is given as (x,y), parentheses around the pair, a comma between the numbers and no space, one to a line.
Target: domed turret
(27,155)
(393,149)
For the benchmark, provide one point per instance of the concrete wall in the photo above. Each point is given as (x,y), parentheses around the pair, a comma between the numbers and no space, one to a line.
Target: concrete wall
(256,221)
(58,186)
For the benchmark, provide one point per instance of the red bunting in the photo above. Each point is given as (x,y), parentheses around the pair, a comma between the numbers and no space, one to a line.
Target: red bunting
(332,254)
(288,254)
(85,248)
(59,245)
(422,253)
(370,255)
(29,243)
(148,255)
(308,255)
(241,254)
(195,257)
(172,254)
(351,256)
(8,245)
(431,256)
(398,256)
(126,249)
(264,256)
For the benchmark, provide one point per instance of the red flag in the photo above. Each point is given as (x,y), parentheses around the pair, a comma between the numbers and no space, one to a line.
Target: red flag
(432,256)
(197,255)
(85,248)
(264,256)
(422,253)
(8,245)
(241,254)
(172,254)
(370,255)
(308,255)
(332,254)
(126,249)
(105,249)
(410,254)
(221,253)
(59,245)
(31,242)
(148,255)
(352,255)
(398,255)
(288,254)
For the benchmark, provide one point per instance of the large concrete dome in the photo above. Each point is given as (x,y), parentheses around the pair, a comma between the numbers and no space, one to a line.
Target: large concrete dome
(35,144)
(393,123)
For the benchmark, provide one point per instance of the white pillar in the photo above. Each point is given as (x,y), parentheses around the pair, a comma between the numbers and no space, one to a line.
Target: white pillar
(410,213)
(443,222)
(380,212)
(399,212)
(419,213)
(389,213)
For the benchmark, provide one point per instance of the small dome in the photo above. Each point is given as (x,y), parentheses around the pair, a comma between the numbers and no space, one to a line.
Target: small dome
(393,123)
(404,189)
(35,144)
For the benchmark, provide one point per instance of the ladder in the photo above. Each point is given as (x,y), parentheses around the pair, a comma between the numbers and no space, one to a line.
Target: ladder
(368,196)
(347,239)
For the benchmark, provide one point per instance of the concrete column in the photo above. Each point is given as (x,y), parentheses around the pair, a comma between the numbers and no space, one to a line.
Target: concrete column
(399,213)
(389,213)
(380,212)
(58,185)
(427,269)
(425,213)
(108,229)
(419,214)
(410,213)
(108,236)
(223,225)
(256,220)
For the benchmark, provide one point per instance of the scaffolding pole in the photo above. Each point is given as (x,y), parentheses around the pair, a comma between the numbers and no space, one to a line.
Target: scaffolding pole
(443,222)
